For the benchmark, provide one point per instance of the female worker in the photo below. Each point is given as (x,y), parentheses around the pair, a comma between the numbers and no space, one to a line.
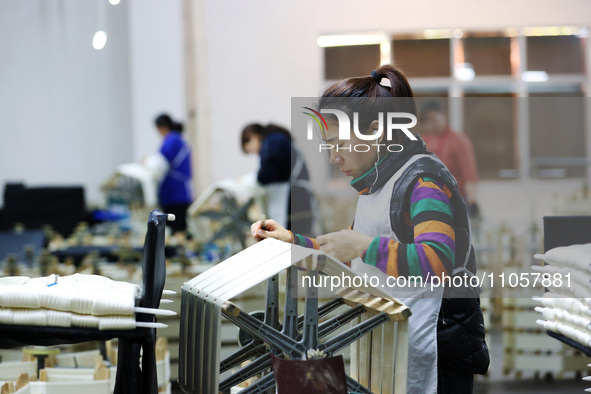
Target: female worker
(172,169)
(283,174)
(410,221)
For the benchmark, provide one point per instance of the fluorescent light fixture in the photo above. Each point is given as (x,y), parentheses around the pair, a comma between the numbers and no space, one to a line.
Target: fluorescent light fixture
(99,40)
(464,72)
(114,2)
(351,39)
(440,33)
(551,30)
(535,76)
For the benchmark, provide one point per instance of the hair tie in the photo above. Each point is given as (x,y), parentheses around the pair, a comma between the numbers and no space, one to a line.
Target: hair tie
(375,76)
(386,82)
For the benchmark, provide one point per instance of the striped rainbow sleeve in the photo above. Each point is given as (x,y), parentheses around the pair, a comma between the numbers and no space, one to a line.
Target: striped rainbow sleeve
(304,241)
(433,250)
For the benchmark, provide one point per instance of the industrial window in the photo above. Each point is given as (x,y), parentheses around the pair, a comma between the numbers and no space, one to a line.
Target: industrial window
(518,88)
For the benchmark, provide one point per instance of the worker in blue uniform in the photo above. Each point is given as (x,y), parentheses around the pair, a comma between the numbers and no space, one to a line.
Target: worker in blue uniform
(172,168)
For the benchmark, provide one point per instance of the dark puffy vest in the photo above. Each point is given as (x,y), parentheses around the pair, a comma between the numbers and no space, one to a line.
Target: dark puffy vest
(460,328)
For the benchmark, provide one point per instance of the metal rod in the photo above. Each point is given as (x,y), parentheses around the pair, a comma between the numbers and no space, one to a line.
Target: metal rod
(256,367)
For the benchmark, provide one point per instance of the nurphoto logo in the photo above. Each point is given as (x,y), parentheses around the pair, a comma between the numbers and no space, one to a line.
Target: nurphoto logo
(391,125)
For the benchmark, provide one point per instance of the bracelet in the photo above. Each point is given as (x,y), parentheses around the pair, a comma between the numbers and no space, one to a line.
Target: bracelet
(292,240)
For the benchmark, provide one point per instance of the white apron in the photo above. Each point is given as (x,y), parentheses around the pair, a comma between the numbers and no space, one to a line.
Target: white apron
(277,201)
(372,217)
(278,193)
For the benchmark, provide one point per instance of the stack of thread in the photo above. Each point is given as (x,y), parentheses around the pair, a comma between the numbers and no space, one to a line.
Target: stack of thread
(88,301)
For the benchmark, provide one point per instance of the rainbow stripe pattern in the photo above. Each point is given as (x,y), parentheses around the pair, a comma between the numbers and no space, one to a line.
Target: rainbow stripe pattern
(430,221)
(433,250)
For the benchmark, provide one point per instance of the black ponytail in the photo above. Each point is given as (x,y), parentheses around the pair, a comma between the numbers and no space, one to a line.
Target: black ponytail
(368,95)
(165,121)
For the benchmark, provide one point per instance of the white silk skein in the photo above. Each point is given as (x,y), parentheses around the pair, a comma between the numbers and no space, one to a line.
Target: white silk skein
(58,319)
(30,317)
(116,323)
(85,321)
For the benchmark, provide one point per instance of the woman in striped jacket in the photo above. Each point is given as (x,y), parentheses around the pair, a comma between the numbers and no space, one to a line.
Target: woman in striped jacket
(410,221)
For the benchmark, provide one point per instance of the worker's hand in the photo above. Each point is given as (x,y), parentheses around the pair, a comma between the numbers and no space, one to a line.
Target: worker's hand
(344,245)
(272,229)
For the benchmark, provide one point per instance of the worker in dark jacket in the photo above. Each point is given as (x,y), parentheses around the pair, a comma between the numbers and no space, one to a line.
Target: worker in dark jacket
(283,173)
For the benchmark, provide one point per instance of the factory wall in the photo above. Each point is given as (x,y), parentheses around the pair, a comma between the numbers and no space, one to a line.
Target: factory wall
(69,114)
(157,70)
